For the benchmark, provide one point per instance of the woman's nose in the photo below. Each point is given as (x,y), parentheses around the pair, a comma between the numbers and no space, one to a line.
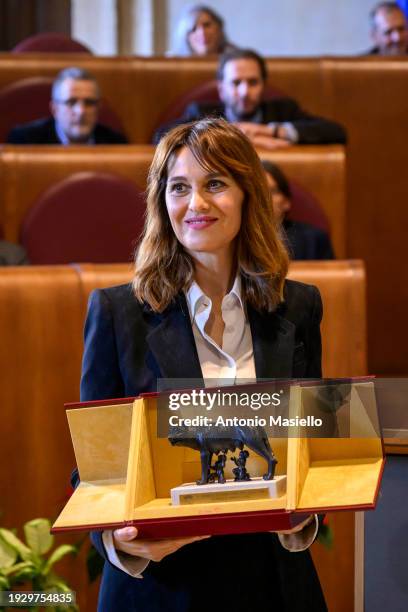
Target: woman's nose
(198,201)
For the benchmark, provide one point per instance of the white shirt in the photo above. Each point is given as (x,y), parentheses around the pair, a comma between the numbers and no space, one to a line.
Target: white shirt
(231,362)
(234,360)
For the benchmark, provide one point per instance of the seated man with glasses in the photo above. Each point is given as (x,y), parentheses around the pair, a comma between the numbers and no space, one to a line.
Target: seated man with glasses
(389,29)
(74,108)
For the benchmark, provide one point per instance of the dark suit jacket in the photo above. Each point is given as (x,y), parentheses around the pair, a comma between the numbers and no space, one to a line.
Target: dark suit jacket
(127,347)
(43,131)
(311,129)
(376,51)
(12,254)
(305,241)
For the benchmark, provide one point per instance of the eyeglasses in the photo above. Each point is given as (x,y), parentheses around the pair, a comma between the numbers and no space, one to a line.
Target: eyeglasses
(71,102)
(395,30)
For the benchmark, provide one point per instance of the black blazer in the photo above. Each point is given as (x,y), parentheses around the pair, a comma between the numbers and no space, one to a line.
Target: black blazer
(43,131)
(127,347)
(311,129)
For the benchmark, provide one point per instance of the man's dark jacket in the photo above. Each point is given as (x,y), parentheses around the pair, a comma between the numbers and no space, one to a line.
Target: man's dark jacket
(43,131)
(12,254)
(311,129)
(127,348)
(377,51)
(306,241)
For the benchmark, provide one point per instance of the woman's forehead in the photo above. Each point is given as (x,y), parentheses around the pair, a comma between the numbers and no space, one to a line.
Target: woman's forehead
(185,161)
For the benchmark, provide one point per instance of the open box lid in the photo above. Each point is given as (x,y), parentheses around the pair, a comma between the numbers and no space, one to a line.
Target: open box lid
(343,471)
(127,470)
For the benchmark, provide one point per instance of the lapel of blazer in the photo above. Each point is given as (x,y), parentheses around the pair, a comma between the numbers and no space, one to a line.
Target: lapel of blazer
(172,343)
(273,339)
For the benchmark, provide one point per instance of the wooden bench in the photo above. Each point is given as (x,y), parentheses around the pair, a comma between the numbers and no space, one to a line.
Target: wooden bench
(26,172)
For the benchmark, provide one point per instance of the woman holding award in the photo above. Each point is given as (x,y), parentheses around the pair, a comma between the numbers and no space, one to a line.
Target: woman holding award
(209,300)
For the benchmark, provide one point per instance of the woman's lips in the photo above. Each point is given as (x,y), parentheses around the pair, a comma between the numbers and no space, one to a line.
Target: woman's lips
(199,223)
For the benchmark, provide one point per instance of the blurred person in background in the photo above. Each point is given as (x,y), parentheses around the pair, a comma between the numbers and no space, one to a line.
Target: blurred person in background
(270,124)
(303,241)
(74,108)
(12,254)
(389,30)
(200,31)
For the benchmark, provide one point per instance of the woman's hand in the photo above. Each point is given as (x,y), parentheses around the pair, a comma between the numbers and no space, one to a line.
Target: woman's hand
(126,540)
(308,521)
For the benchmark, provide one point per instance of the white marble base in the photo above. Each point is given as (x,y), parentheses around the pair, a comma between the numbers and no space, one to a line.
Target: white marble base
(275,488)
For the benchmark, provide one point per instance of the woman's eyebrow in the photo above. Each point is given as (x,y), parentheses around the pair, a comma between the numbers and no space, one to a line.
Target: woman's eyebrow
(216,175)
(172,179)
(210,175)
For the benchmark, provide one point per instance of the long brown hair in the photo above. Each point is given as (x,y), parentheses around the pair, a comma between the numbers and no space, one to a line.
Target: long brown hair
(163,267)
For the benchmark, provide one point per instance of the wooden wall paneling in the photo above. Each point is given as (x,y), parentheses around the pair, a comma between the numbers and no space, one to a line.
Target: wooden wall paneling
(18,22)
(40,357)
(335,566)
(53,16)
(371,100)
(344,339)
(41,312)
(23,18)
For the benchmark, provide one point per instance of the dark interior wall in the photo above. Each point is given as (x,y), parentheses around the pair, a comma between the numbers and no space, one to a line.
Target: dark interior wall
(22,18)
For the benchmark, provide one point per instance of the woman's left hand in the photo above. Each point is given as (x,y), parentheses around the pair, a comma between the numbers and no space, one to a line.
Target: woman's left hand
(308,521)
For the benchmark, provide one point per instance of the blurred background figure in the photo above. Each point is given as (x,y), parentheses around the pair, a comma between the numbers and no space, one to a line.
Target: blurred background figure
(269,123)
(303,241)
(389,29)
(12,254)
(201,32)
(75,109)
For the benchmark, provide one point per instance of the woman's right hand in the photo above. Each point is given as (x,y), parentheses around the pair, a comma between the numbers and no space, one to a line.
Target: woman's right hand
(126,540)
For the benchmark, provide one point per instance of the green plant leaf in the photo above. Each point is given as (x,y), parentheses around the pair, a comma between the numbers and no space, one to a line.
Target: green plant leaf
(56,584)
(8,554)
(38,536)
(25,573)
(4,583)
(57,554)
(12,540)
(325,536)
(14,569)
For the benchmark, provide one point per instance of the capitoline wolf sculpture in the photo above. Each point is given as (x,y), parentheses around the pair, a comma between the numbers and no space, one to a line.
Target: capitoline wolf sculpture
(213,440)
